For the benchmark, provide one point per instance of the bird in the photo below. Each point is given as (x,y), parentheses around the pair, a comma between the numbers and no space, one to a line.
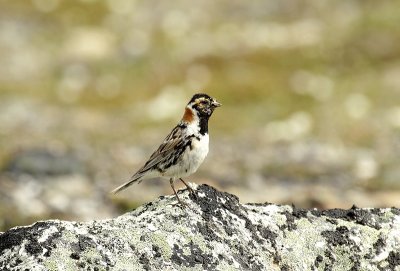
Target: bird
(183,150)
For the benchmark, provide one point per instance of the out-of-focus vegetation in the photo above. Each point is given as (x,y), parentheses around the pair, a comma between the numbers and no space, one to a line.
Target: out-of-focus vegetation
(311,95)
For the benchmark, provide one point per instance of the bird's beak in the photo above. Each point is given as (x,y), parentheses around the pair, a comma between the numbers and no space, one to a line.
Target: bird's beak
(215,104)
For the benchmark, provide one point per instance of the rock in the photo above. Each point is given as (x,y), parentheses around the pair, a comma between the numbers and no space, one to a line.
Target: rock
(214,232)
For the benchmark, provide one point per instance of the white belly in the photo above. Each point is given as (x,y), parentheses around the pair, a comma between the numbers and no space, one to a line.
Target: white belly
(192,159)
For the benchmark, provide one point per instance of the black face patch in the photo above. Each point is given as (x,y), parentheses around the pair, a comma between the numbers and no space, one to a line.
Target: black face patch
(203,106)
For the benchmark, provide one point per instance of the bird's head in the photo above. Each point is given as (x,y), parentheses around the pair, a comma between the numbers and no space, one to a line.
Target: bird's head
(203,105)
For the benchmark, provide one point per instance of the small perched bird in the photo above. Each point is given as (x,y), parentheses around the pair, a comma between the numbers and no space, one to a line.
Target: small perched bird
(184,149)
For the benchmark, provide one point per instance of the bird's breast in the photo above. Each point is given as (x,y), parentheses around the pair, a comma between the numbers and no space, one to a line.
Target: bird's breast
(196,154)
(200,147)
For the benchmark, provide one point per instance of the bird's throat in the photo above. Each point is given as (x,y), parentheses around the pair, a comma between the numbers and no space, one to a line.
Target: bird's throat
(190,118)
(203,124)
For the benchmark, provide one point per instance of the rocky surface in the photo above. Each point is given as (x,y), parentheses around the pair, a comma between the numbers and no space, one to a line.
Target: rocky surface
(213,232)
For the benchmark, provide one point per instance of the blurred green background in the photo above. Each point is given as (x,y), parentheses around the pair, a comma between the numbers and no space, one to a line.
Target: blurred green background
(88,89)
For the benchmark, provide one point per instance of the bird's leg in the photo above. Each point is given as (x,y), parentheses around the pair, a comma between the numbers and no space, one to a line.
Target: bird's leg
(171,182)
(189,188)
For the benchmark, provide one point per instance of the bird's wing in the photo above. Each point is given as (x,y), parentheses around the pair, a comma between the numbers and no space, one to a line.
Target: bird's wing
(172,142)
(172,146)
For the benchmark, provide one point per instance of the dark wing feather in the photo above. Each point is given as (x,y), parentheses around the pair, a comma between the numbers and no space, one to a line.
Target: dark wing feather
(164,153)
(174,139)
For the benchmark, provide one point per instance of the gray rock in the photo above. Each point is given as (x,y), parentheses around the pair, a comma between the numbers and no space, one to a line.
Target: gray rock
(214,232)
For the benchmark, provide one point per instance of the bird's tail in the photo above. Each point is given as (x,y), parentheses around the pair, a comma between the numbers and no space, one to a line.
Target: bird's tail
(135,178)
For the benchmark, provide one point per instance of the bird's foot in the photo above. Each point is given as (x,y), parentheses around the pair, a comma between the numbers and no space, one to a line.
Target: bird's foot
(191,191)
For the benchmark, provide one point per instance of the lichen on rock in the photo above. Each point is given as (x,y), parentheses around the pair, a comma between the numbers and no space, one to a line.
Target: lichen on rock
(214,232)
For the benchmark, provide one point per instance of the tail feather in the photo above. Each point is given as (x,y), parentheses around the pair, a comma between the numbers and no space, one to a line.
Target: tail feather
(133,180)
